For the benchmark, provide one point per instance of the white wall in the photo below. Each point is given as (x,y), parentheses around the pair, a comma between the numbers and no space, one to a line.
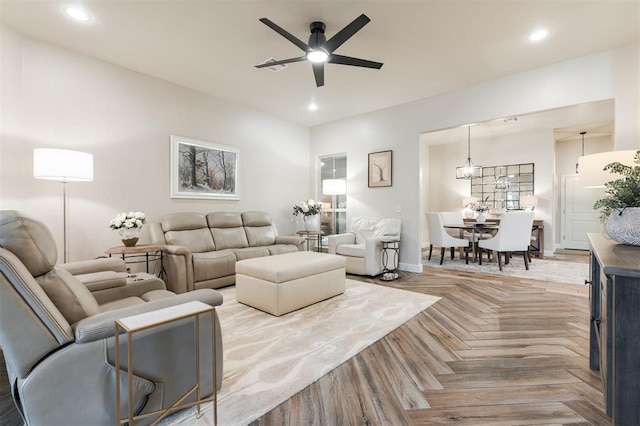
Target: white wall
(595,77)
(55,98)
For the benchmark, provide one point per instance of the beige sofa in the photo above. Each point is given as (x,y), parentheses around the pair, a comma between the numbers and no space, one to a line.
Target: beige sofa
(201,250)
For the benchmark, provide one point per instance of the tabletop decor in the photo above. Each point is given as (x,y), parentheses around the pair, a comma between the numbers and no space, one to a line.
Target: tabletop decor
(621,204)
(129,225)
(310,211)
(480,207)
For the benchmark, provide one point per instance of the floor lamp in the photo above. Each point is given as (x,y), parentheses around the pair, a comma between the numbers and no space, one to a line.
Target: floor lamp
(334,187)
(64,166)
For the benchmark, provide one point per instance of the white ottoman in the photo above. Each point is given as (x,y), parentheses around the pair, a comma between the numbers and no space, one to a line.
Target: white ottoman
(285,282)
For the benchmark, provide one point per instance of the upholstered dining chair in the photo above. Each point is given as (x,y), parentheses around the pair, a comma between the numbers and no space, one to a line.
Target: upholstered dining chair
(439,237)
(514,235)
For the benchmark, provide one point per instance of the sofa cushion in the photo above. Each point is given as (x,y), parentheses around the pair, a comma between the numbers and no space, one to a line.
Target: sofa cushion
(250,252)
(196,240)
(224,220)
(70,296)
(227,230)
(213,264)
(259,236)
(281,249)
(30,240)
(355,250)
(183,221)
(364,228)
(256,219)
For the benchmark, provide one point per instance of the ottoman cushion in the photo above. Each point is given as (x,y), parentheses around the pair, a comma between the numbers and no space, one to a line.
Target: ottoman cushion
(283,283)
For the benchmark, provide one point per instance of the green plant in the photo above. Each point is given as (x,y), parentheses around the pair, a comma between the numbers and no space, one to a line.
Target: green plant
(623,192)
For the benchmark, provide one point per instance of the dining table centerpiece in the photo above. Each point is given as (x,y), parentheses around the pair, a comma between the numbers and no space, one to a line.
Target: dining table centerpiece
(481,208)
(310,211)
(128,224)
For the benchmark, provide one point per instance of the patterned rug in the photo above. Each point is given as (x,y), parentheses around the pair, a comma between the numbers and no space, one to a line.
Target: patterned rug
(268,359)
(546,269)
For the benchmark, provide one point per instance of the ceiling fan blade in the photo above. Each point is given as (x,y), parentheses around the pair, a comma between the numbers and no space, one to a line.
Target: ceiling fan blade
(284,33)
(356,62)
(318,73)
(344,34)
(282,62)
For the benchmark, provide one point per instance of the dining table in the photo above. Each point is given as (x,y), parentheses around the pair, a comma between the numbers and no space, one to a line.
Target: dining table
(477,230)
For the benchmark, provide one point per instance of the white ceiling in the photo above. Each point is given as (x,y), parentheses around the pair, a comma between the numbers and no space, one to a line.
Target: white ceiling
(427,47)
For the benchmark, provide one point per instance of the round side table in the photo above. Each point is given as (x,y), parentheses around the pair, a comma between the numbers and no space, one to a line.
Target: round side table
(390,251)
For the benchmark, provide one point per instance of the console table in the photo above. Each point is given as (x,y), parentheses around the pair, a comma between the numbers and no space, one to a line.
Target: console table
(614,342)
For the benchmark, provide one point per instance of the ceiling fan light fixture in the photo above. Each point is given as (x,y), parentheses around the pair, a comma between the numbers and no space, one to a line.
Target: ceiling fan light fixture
(317,56)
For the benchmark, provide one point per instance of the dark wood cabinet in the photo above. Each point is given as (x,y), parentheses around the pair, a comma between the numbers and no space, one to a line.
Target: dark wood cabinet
(615,325)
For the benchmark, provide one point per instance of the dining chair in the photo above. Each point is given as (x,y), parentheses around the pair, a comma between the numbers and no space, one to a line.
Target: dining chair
(439,237)
(514,235)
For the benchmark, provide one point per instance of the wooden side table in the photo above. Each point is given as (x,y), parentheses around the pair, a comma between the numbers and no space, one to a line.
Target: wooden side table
(147,320)
(139,254)
(311,235)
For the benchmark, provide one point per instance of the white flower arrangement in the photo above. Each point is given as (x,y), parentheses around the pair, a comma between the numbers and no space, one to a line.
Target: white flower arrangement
(480,206)
(307,208)
(130,220)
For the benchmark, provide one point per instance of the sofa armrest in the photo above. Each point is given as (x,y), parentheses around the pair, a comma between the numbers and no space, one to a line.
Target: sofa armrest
(337,239)
(101,264)
(102,326)
(291,239)
(177,262)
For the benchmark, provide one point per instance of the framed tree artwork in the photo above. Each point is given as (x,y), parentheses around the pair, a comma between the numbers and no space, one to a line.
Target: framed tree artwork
(204,170)
(380,169)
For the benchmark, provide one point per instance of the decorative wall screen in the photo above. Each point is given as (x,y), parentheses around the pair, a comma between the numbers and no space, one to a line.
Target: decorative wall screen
(503,186)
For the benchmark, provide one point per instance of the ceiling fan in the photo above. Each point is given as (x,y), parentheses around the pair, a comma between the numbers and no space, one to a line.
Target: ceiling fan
(320,50)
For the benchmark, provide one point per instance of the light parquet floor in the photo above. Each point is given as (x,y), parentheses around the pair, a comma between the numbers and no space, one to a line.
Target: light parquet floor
(492,351)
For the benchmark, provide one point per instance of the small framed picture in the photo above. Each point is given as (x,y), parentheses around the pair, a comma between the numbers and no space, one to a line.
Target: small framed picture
(203,170)
(380,169)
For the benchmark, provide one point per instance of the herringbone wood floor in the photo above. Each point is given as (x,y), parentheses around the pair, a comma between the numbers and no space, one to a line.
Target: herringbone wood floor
(490,352)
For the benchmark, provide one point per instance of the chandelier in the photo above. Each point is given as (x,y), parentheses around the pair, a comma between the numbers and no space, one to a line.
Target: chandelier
(468,170)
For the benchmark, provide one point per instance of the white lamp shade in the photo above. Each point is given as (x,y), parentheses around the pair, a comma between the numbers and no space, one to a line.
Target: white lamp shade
(62,164)
(334,186)
(590,173)
(528,201)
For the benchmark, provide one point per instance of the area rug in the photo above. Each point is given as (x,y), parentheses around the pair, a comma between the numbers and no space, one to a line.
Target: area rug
(548,270)
(268,359)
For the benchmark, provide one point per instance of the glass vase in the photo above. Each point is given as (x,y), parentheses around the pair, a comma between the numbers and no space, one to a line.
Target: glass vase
(129,236)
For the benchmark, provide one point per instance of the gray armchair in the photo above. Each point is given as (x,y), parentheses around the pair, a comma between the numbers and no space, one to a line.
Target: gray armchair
(58,342)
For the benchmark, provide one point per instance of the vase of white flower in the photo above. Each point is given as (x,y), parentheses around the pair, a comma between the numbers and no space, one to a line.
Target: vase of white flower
(480,207)
(129,226)
(310,211)
(312,223)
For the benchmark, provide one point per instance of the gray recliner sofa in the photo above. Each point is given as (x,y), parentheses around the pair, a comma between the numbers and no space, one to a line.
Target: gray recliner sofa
(58,341)
(201,250)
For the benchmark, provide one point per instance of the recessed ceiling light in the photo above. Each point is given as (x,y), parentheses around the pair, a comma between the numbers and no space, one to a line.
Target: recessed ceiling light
(538,35)
(77,14)
(312,107)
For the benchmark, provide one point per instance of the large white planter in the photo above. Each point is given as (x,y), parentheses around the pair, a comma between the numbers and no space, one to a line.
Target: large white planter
(623,226)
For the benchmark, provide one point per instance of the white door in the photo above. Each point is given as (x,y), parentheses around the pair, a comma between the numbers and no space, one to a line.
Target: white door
(579,217)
